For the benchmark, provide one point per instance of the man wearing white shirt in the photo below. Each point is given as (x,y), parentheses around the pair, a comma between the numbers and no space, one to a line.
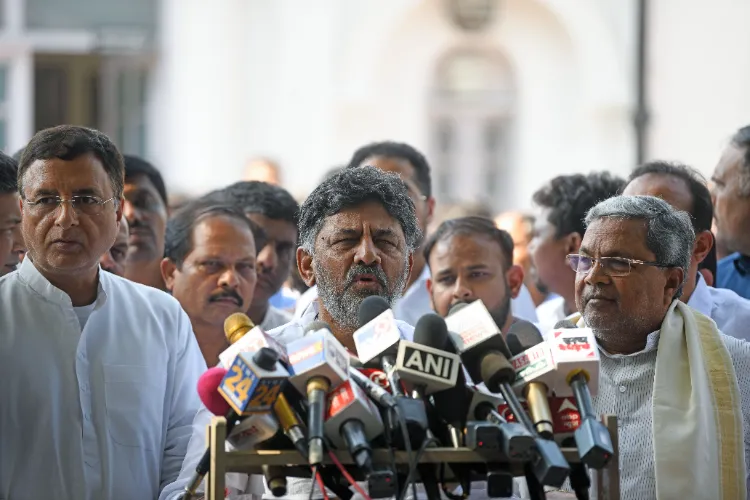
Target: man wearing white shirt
(99,372)
(412,167)
(685,189)
(358,233)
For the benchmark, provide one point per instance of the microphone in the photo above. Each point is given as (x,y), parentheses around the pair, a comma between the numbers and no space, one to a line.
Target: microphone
(376,393)
(474,332)
(378,337)
(253,382)
(522,336)
(577,359)
(244,336)
(514,440)
(208,385)
(550,466)
(352,422)
(424,363)
(319,363)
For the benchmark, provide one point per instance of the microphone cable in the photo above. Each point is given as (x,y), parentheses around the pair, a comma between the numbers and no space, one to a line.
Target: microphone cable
(413,466)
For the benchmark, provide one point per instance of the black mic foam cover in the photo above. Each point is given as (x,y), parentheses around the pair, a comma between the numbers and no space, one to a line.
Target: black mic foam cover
(496,370)
(431,331)
(565,323)
(523,335)
(370,308)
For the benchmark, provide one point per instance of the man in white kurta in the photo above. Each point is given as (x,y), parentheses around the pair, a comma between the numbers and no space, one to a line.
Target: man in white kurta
(98,373)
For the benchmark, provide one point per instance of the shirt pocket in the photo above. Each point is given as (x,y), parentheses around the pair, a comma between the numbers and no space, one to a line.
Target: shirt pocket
(134,406)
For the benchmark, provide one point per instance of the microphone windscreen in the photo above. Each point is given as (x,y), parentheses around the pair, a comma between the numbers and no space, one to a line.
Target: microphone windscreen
(565,323)
(523,335)
(496,370)
(234,323)
(370,308)
(317,325)
(208,386)
(431,331)
(457,307)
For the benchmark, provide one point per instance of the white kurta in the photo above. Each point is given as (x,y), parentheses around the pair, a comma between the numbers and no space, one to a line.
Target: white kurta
(730,312)
(103,413)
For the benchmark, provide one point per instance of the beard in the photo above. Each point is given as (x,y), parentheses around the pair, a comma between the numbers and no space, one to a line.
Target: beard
(343,306)
(501,312)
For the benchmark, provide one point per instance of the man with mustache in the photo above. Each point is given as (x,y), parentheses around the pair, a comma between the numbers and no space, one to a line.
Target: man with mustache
(210,267)
(679,387)
(145,209)
(471,259)
(274,210)
(357,231)
(114,260)
(11,241)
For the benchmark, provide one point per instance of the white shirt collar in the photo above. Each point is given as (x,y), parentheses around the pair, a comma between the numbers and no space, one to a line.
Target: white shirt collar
(701,299)
(30,275)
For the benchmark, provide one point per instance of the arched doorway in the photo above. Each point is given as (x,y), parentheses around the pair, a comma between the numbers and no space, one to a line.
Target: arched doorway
(472,112)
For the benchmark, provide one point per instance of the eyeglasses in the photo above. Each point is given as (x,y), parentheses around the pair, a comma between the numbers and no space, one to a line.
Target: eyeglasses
(614,267)
(84,204)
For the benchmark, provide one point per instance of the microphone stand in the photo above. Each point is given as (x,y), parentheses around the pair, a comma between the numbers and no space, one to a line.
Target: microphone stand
(536,490)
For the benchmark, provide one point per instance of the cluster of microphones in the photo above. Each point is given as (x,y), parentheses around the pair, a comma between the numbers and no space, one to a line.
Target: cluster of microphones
(460,384)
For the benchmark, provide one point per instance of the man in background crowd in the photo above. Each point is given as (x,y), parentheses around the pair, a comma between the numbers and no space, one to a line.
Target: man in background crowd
(558,231)
(263,170)
(471,259)
(731,196)
(357,231)
(114,260)
(146,211)
(520,227)
(666,370)
(686,190)
(108,401)
(11,241)
(274,211)
(210,267)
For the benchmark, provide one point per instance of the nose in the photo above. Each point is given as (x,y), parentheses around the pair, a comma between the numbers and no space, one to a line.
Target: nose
(268,258)
(461,291)
(596,274)
(229,278)
(66,216)
(130,212)
(366,252)
(18,244)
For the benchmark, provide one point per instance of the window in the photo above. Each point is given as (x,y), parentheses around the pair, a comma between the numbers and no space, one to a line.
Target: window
(4,107)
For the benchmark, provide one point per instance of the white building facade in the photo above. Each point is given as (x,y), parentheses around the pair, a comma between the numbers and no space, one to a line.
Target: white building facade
(542,87)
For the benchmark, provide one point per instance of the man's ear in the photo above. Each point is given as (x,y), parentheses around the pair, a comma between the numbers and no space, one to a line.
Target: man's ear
(704,241)
(429,292)
(675,276)
(168,270)
(430,212)
(305,267)
(708,276)
(573,243)
(410,263)
(514,278)
(118,209)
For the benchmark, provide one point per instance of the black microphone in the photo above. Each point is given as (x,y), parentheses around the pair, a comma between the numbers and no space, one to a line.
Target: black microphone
(592,437)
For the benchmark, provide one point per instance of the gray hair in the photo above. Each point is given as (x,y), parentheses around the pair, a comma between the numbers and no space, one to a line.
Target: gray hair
(669,232)
(351,187)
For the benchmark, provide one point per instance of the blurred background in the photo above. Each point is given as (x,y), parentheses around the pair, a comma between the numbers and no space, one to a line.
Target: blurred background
(500,94)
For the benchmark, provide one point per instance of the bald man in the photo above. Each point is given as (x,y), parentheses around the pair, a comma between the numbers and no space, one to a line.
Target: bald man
(520,226)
